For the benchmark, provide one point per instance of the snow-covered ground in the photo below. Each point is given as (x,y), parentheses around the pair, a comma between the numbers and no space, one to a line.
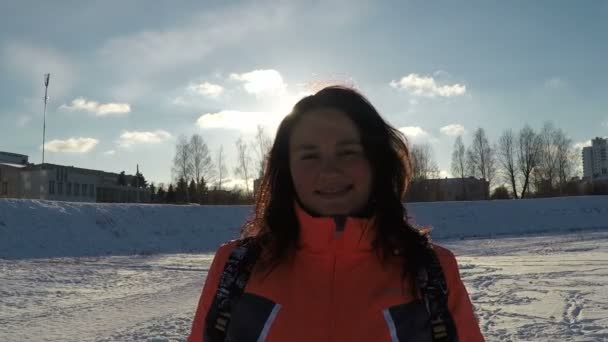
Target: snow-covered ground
(549,287)
(542,288)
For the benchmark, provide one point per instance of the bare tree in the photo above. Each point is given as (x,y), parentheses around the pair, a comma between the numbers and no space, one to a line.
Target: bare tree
(566,159)
(222,171)
(182,161)
(527,156)
(262,146)
(459,159)
(202,164)
(506,155)
(481,157)
(423,164)
(243,161)
(547,168)
(459,164)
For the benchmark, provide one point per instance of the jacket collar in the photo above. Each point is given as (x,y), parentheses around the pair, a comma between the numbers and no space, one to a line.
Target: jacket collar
(342,233)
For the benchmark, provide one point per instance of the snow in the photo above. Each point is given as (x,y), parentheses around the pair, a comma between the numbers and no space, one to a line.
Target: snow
(42,229)
(536,270)
(13,165)
(541,288)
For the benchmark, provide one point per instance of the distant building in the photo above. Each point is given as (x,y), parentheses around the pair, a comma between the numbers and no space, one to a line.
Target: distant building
(63,183)
(448,189)
(10,168)
(13,158)
(595,159)
(10,180)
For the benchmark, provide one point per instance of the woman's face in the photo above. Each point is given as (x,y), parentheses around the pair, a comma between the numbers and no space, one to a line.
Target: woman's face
(329,169)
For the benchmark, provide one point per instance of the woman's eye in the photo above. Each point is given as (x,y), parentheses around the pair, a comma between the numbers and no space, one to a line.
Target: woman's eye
(308,156)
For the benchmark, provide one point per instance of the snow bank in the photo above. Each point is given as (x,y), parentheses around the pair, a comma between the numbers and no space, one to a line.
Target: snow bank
(33,228)
(512,217)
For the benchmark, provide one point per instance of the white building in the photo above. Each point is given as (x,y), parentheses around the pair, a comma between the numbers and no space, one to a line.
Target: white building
(58,183)
(20,179)
(595,159)
(10,173)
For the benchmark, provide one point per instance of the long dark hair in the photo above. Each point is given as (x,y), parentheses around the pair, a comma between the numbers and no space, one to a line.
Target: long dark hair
(274,222)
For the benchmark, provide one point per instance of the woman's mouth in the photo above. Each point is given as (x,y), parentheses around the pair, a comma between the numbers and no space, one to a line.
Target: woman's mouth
(334,192)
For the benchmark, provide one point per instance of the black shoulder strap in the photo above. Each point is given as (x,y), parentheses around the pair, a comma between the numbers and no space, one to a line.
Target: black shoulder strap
(431,282)
(434,291)
(231,286)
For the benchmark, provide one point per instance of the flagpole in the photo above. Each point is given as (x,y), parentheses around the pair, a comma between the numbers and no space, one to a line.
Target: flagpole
(46,88)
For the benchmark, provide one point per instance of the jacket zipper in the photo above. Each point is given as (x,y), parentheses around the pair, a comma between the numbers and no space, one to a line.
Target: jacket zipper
(340,222)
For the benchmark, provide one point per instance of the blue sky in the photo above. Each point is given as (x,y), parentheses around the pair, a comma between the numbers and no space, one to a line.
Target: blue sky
(128,77)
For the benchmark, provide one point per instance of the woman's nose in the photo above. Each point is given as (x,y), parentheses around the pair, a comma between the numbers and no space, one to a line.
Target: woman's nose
(330,166)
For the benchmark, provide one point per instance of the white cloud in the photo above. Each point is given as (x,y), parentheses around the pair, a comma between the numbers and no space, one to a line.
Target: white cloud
(72,145)
(417,135)
(109,153)
(452,130)
(243,121)
(207,89)
(605,123)
(33,61)
(426,86)
(414,132)
(555,83)
(100,109)
(130,138)
(23,120)
(580,145)
(231,183)
(262,82)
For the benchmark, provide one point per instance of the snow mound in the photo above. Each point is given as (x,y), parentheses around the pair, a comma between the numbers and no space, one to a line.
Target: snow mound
(42,229)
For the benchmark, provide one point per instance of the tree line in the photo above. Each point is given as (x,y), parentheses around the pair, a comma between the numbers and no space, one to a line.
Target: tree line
(200,176)
(520,164)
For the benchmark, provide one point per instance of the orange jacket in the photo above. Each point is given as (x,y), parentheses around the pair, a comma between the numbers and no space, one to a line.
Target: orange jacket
(336,289)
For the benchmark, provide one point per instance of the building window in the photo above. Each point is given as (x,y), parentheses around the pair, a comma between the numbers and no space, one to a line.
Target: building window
(51,187)
(68,189)
(91,190)
(5,188)
(604,171)
(84,189)
(76,189)
(60,188)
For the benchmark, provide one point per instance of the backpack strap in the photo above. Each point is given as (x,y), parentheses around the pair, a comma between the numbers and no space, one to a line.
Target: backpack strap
(434,291)
(236,273)
(231,286)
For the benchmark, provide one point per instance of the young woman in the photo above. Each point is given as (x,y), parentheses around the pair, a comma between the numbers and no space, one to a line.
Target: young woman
(337,259)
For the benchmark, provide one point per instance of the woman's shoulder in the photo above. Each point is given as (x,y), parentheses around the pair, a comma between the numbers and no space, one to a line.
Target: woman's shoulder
(443,252)
(447,259)
(225,249)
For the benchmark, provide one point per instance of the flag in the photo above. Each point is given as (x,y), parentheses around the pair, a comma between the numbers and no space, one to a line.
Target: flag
(46,79)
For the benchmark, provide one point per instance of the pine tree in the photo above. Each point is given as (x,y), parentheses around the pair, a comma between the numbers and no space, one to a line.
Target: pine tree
(181,193)
(202,191)
(152,189)
(171,195)
(192,193)
(161,195)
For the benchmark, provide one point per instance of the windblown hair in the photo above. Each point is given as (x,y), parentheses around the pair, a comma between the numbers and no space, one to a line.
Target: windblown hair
(274,222)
